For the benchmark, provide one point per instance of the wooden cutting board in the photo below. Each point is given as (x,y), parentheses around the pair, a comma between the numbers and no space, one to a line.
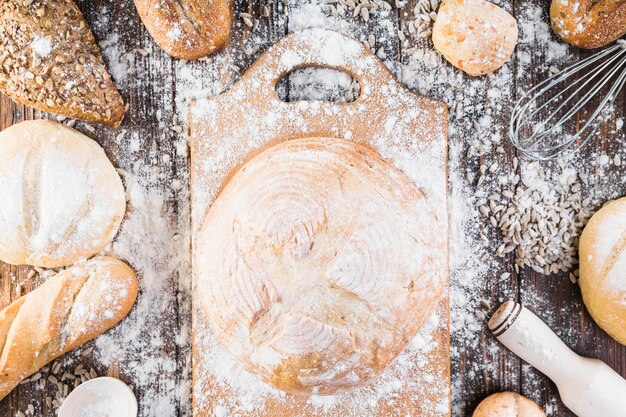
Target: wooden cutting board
(409,130)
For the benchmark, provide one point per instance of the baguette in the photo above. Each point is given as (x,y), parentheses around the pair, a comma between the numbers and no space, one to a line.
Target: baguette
(49,60)
(66,311)
(588,23)
(186,29)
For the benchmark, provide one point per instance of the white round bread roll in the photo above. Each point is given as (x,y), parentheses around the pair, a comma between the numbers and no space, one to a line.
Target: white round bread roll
(475,36)
(60,197)
(602,252)
(315,265)
(508,404)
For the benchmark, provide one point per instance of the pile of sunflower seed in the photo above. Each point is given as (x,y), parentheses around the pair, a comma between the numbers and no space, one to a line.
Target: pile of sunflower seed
(64,381)
(539,217)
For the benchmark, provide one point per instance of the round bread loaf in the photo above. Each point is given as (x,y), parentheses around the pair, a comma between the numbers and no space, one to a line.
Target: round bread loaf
(475,36)
(60,197)
(314,265)
(588,23)
(508,404)
(603,268)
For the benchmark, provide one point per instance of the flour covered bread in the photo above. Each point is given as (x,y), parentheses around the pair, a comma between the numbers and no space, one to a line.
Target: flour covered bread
(188,29)
(49,60)
(314,265)
(508,404)
(602,252)
(475,36)
(588,23)
(65,312)
(61,199)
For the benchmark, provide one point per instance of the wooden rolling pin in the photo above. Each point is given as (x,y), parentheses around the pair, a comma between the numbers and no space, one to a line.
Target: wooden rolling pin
(588,387)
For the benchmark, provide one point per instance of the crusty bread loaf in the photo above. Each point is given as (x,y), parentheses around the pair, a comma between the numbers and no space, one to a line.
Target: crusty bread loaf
(475,36)
(66,311)
(588,23)
(602,251)
(315,265)
(187,29)
(508,404)
(49,60)
(61,199)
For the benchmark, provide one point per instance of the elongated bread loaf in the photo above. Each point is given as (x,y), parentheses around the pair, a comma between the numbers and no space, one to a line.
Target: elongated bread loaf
(588,23)
(68,310)
(187,29)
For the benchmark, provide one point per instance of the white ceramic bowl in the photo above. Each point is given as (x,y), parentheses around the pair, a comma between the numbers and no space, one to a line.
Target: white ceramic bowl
(100,397)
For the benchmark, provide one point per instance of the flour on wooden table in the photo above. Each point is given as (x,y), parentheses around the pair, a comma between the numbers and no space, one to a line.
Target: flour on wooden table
(478,107)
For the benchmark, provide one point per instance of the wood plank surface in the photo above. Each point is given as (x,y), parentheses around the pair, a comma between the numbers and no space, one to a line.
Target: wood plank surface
(153,81)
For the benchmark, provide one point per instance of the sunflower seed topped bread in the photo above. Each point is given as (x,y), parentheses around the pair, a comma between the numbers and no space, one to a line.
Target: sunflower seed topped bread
(61,199)
(68,310)
(187,29)
(315,265)
(588,23)
(49,60)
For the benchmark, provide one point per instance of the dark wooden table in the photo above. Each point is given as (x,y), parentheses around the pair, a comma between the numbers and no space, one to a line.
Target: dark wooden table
(479,366)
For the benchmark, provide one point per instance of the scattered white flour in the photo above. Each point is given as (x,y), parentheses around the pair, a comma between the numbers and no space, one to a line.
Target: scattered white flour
(155,237)
(41,46)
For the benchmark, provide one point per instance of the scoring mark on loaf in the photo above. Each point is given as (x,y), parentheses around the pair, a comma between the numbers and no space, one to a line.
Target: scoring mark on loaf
(313,265)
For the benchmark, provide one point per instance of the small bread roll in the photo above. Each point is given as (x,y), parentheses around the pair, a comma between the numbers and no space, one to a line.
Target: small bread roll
(603,268)
(61,199)
(475,36)
(588,23)
(315,265)
(508,404)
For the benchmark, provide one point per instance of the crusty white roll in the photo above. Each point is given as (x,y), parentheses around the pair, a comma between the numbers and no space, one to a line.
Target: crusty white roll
(588,23)
(315,265)
(602,251)
(187,29)
(61,199)
(508,404)
(66,311)
(475,36)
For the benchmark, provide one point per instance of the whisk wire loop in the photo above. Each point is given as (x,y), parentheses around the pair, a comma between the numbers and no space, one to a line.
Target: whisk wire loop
(561,97)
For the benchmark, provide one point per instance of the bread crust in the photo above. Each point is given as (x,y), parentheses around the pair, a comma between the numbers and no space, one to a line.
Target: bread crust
(475,36)
(69,309)
(187,29)
(588,23)
(61,199)
(508,404)
(602,252)
(314,265)
(49,60)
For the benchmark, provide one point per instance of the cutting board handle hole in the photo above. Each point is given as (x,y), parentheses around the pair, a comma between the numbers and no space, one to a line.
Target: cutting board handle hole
(318,84)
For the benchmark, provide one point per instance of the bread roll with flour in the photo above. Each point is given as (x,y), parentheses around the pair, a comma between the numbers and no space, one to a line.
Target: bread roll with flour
(60,197)
(187,29)
(602,252)
(588,23)
(508,404)
(315,265)
(66,311)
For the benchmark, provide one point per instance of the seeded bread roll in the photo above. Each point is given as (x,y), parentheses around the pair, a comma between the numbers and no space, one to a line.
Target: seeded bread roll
(602,252)
(588,23)
(187,29)
(508,404)
(49,60)
(66,311)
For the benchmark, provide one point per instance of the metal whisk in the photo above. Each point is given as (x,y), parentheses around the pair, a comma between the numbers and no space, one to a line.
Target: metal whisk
(542,117)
